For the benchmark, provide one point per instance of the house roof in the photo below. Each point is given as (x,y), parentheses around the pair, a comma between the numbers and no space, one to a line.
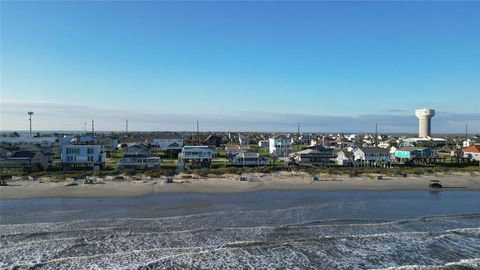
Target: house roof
(282,137)
(410,148)
(138,146)
(131,140)
(346,153)
(369,150)
(317,147)
(233,146)
(472,149)
(23,154)
(306,152)
(28,139)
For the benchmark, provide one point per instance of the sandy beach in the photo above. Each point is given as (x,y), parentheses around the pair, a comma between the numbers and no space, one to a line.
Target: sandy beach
(230,184)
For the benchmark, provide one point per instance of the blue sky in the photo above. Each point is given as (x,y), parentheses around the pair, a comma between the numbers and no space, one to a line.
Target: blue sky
(260,65)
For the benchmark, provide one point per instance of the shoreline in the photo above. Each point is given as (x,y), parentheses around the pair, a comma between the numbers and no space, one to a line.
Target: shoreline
(230,184)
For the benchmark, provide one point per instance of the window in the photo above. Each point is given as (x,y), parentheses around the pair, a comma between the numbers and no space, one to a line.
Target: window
(74,151)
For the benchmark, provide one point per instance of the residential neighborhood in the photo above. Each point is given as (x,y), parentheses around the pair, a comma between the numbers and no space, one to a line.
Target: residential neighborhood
(157,151)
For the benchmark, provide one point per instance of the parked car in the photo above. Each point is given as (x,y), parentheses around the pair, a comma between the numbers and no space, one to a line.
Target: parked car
(435,184)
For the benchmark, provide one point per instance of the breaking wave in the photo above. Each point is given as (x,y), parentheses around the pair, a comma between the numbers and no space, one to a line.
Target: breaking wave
(213,241)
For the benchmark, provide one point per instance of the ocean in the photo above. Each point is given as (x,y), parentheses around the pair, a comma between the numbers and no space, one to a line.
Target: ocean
(254,230)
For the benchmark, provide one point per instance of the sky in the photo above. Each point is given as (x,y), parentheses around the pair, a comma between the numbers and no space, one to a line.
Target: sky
(240,66)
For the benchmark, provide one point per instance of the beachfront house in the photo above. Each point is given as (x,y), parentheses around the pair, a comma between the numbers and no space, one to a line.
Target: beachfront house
(318,156)
(139,157)
(472,152)
(279,146)
(27,161)
(344,158)
(411,153)
(371,156)
(109,145)
(82,156)
(248,159)
(197,156)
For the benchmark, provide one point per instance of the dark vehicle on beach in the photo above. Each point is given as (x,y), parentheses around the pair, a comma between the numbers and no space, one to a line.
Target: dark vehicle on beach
(435,184)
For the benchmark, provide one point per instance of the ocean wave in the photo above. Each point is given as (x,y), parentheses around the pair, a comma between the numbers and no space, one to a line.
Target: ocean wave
(310,246)
(467,264)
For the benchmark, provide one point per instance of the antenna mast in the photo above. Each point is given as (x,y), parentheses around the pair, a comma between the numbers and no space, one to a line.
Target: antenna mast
(93,130)
(466,135)
(30,119)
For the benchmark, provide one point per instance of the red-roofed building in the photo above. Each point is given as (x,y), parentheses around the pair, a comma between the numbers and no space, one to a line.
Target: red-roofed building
(472,152)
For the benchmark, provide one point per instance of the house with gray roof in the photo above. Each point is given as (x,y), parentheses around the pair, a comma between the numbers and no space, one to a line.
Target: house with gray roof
(25,160)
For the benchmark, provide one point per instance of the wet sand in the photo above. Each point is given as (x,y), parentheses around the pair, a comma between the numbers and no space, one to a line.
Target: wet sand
(230,184)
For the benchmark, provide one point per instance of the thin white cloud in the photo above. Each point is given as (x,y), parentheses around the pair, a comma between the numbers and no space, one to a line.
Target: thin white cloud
(66,116)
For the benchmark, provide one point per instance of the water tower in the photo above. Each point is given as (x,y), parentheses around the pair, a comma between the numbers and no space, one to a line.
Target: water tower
(424,122)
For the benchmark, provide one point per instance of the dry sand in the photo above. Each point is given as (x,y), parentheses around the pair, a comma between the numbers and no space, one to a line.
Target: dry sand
(231,184)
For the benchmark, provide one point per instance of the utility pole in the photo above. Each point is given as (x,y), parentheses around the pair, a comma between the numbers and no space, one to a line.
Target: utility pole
(93,129)
(126,126)
(30,119)
(198,134)
(85,127)
(376,134)
(298,128)
(466,132)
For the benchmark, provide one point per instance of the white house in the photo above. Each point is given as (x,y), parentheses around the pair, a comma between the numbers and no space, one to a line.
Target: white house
(384,144)
(199,152)
(344,158)
(82,155)
(233,149)
(472,152)
(139,156)
(248,159)
(198,156)
(168,142)
(280,146)
(371,155)
(467,143)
